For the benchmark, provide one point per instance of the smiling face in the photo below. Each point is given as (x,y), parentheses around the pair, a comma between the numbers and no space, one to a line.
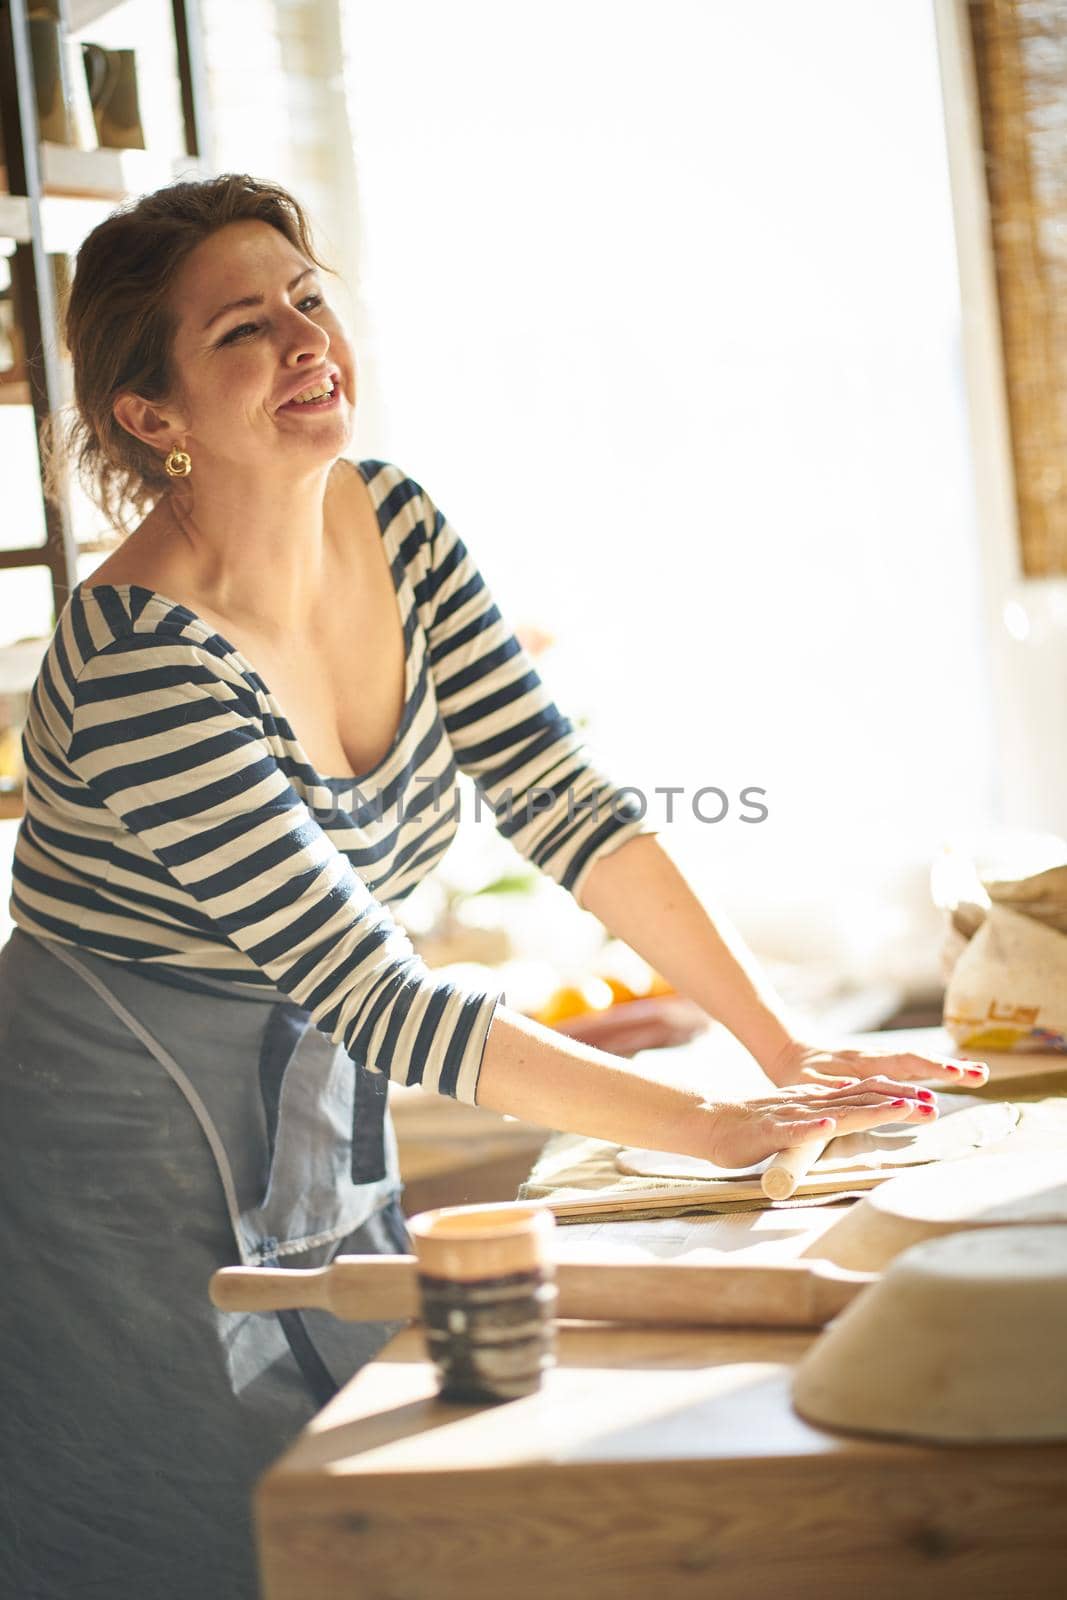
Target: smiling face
(254,329)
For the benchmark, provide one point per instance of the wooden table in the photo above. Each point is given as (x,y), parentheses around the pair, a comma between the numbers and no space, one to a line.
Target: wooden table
(663,1463)
(452,1154)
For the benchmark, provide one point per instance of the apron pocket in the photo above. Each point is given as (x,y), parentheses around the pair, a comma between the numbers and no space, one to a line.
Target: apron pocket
(368,1130)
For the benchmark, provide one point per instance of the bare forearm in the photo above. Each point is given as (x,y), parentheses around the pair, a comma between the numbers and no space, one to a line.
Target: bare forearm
(532,1072)
(535,1073)
(642,897)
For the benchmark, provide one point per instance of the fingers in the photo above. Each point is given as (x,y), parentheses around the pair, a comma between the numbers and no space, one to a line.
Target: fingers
(881,1084)
(856,1116)
(866,1091)
(801,1114)
(895,1102)
(800,1131)
(878,1087)
(852,1111)
(934,1069)
(973,1073)
(849,1117)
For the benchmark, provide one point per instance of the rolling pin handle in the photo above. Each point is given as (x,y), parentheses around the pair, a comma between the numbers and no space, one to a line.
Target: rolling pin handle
(375,1288)
(269,1288)
(790,1167)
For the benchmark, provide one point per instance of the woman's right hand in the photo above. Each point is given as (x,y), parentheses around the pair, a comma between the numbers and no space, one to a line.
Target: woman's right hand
(745,1131)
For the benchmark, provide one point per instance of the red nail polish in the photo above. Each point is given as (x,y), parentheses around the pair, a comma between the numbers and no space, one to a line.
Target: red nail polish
(926,1094)
(898,1102)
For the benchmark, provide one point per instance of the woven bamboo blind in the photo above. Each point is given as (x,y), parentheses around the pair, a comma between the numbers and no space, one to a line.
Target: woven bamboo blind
(1020,52)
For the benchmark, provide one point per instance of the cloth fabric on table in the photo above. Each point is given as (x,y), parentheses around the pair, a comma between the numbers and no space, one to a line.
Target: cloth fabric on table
(137,1417)
(572,1167)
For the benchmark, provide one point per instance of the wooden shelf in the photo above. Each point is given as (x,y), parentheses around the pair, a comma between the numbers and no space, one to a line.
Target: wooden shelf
(14,217)
(82,187)
(101,174)
(81,13)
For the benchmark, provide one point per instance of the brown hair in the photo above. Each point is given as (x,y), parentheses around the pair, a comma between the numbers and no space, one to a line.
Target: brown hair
(120,328)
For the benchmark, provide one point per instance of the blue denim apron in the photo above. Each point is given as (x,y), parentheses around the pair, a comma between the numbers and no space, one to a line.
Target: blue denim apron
(156,1126)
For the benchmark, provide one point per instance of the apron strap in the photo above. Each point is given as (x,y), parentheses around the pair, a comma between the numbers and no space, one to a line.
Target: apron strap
(199,1109)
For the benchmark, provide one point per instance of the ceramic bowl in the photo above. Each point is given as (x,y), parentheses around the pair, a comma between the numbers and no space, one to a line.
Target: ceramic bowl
(963,1340)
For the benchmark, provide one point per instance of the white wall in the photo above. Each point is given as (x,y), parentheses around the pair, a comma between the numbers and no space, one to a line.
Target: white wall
(663,310)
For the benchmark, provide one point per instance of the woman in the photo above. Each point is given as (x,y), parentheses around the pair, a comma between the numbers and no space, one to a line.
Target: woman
(242,745)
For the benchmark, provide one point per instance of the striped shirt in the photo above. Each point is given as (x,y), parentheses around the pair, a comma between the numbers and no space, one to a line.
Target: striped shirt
(173,820)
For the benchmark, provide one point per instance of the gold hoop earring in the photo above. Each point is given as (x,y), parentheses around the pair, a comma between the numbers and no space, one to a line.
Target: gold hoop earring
(178,463)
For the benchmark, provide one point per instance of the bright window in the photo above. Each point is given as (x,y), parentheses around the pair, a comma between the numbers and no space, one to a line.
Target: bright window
(661,307)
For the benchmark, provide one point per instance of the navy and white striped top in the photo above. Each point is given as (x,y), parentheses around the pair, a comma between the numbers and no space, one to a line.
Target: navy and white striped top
(174,821)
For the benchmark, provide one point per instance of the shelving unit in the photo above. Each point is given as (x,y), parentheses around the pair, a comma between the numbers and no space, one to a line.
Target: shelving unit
(54,196)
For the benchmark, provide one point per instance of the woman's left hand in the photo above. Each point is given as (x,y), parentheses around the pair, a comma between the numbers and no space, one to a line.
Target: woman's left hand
(802,1063)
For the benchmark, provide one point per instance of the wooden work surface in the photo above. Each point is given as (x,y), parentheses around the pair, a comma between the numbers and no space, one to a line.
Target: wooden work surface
(654,1462)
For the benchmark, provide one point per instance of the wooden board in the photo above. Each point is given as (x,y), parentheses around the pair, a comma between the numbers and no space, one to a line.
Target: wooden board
(727,1192)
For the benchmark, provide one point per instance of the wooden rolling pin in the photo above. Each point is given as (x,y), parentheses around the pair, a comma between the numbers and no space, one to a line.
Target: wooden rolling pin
(790,1167)
(794,1294)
